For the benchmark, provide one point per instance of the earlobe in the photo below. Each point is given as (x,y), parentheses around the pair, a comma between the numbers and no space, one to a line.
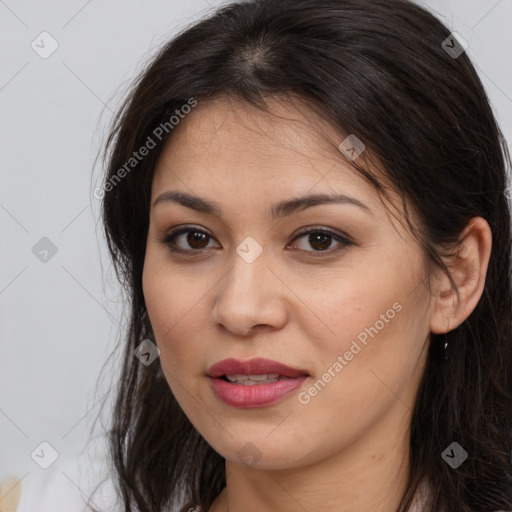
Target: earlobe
(468,268)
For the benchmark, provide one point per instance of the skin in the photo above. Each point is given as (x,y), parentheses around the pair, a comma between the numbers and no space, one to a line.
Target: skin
(347,448)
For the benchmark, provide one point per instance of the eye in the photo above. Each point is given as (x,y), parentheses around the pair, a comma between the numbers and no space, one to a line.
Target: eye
(195,238)
(321,239)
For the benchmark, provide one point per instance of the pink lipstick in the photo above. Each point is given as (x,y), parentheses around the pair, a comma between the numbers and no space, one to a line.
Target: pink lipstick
(254,383)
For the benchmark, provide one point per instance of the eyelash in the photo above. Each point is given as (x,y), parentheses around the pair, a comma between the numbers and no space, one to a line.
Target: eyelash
(168,241)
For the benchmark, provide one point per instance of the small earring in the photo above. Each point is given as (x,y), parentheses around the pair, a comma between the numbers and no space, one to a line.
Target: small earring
(446,343)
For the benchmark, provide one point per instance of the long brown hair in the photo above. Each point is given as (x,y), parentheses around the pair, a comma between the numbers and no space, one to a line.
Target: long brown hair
(377,69)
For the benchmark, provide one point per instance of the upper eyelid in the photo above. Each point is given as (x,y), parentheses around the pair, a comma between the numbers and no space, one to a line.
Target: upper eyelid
(301,231)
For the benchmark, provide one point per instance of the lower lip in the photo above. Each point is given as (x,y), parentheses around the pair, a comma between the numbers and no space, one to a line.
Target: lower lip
(257,395)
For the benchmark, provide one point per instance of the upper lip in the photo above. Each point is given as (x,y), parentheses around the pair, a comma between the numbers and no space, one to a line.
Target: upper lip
(256,366)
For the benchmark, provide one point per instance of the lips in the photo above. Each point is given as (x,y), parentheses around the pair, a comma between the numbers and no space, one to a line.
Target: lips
(257,366)
(254,383)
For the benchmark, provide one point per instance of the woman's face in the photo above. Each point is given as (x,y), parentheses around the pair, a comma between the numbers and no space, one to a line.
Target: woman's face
(345,310)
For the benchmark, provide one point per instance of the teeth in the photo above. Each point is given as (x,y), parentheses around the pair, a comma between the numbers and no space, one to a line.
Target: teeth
(237,377)
(263,377)
(251,380)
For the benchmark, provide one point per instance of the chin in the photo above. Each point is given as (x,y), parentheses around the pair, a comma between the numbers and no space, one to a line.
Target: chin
(259,453)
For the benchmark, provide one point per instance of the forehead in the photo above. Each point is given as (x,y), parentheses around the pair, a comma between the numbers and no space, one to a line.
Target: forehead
(230,141)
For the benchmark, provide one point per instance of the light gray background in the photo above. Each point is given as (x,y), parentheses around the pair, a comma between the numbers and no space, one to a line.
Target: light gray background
(59,319)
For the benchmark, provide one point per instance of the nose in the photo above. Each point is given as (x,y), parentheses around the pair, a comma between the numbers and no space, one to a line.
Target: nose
(250,298)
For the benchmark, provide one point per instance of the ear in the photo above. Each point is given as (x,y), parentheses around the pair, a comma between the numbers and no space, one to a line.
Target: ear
(468,269)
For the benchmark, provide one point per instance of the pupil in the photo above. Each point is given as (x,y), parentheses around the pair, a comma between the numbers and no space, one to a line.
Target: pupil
(194,237)
(317,238)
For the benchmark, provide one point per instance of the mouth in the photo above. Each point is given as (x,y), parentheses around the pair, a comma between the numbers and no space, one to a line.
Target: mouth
(254,383)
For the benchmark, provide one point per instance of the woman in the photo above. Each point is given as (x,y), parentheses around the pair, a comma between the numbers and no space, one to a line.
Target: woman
(306,203)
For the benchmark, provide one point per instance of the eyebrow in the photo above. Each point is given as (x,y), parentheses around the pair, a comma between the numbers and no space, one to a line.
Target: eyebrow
(278,210)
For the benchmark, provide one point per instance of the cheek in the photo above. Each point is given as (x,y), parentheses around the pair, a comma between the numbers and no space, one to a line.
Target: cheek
(374,361)
(368,330)
(353,306)
(173,304)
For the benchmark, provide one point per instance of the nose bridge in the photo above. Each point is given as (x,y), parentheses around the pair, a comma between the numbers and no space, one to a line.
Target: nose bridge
(244,296)
(249,266)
